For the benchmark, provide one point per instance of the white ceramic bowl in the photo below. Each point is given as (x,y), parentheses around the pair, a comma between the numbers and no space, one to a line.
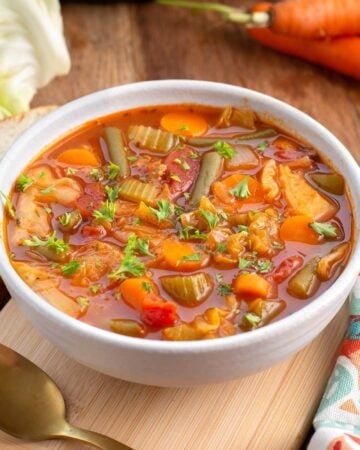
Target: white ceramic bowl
(164,363)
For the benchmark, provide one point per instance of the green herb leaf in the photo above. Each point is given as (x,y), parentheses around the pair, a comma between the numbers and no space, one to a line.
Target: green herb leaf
(142,246)
(95,174)
(193,257)
(132,158)
(48,190)
(71,171)
(193,155)
(242,228)
(23,183)
(94,288)
(185,166)
(65,218)
(175,177)
(190,232)
(224,149)
(264,265)
(112,192)
(147,286)
(106,212)
(221,247)
(245,263)
(130,265)
(252,319)
(241,190)
(83,302)
(183,127)
(324,229)
(211,218)
(178,210)
(112,171)
(278,245)
(70,268)
(51,242)
(47,210)
(163,211)
(224,289)
(263,146)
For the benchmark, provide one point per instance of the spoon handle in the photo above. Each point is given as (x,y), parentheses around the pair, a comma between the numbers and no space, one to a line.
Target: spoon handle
(90,437)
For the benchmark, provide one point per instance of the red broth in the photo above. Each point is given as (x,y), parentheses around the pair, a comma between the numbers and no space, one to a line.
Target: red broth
(180,222)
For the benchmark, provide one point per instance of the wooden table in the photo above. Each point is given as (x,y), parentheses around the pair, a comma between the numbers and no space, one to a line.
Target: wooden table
(115,44)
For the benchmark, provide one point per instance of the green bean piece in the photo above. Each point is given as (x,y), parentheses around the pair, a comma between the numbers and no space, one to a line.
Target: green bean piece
(211,168)
(305,282)
(70,221)
(235,139)
(330,182)
(127,327)
(188,290)
(117,150)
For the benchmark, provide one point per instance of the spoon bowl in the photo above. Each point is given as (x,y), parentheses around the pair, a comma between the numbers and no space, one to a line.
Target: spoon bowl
(33,408)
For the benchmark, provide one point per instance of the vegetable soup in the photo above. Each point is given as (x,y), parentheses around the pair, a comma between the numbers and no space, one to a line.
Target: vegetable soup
(179,222)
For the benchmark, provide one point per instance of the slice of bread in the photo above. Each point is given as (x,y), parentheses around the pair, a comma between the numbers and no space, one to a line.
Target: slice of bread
(12,127)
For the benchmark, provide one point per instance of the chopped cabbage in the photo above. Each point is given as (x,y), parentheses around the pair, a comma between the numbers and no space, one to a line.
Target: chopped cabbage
(32,50)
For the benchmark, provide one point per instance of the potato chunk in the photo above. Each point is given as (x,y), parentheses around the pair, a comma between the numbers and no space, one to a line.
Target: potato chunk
(302,199)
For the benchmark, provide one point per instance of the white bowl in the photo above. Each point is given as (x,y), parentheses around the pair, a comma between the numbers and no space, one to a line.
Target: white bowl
(165,363)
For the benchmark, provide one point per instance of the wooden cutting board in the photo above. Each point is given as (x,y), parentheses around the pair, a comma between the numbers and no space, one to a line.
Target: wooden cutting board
(272,410)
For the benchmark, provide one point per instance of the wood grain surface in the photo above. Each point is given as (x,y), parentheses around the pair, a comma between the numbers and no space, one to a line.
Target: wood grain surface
(116,44)
(271,410)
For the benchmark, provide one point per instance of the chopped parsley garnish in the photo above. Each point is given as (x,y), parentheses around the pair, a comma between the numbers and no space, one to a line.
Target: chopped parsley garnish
(224,289)
(94,288)
(178,210)
(136,221)
(177,161)
(264,265)
(130,265)
(70,268)
(106,212)
(252,319)
(245,263)
(48,190)
(211,218)
(112,171)
(193,257)
(83,302)
(185,166)
(112,192)
(190,232)
(71,171)
(241,190)
(324,229)
(147,286)
(263,146)
(243,228)
(42,174)
(278,245)
(132,158)
(175,177)
(47,210)
(95,174)
(163,211)
(142,246)
(65,218)
(193,155)
(183,127)
(24,182)
(221,247)
(51,242)
(224,149)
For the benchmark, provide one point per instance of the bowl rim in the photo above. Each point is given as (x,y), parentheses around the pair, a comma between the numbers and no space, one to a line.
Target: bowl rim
(318,306)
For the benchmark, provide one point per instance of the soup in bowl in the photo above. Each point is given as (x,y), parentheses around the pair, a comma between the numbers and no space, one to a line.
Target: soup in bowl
(180,231)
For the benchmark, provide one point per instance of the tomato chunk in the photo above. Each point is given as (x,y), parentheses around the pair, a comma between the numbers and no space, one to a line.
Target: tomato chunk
(182,170)
(287,268)
(90,200)
(158,314)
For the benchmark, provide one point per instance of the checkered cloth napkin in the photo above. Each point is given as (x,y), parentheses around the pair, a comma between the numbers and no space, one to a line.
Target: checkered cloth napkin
(337,421)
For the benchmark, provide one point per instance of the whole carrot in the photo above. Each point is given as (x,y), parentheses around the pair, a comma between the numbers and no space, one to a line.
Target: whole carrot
(312,19)
(306,19)
(340,54)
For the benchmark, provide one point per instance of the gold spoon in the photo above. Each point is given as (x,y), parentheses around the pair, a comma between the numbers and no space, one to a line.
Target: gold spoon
(32,407)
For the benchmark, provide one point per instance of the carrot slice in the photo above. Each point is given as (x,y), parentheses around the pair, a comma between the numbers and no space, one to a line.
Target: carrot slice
(251,284)
(78,157)
(134,291)
(182,256)
(221,189)
(187,124)
(296,228)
